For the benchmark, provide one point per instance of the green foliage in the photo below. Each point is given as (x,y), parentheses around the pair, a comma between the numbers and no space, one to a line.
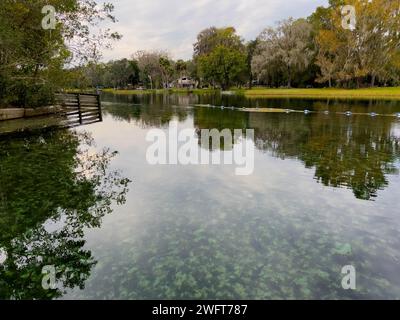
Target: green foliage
(305,52)
(209,39)
(366,55)
(221,57)
(74,192)
(114,74)
(283,53)
(223,66)
(32,60)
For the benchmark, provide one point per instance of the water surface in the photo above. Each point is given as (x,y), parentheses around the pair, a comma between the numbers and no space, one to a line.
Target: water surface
(324,194)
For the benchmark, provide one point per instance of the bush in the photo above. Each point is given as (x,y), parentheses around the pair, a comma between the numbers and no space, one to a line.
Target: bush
(22,95)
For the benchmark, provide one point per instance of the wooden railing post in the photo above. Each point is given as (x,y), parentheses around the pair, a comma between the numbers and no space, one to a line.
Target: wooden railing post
(79,108)
(99,107)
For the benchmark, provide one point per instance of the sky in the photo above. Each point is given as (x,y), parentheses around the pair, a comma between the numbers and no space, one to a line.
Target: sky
(172,25)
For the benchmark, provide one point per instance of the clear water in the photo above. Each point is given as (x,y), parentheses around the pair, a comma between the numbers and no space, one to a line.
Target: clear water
(324,194)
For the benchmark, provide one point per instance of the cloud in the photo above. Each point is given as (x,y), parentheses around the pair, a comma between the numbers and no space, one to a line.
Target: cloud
(173,25)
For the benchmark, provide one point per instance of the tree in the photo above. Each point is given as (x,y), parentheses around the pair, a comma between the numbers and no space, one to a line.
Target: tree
(251,49)
(151,70)
(181,68)
(167,71)
(285,49)
(210,38)
(223,66)
(121,73)
(366,52)
(220,56)
(32,59)
(328,56)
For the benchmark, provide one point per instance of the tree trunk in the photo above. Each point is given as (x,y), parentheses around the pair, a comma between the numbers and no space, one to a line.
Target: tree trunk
(373,81)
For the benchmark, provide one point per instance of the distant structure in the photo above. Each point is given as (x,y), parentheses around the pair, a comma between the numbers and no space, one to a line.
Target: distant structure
(186,82)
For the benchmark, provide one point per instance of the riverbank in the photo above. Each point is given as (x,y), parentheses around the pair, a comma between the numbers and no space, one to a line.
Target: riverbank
(391,93)
(159,91)
(326,93)
(18,113)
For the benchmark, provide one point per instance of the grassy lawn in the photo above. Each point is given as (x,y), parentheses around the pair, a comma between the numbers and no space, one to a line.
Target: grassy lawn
(368,93)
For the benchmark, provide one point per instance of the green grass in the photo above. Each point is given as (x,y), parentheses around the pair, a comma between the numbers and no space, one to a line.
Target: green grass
(368,93)
(392,93)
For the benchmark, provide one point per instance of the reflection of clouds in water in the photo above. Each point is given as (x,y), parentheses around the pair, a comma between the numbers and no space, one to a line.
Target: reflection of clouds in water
(3,256)
(57,223)
(395,132)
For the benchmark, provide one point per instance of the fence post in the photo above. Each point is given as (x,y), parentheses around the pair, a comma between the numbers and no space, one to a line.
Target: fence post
(79,108)
(99,107)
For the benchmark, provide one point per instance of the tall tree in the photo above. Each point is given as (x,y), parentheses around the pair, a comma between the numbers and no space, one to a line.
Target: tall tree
(167,71)
(220,56)
(155,67)
(32,59)
(210,38)
(285,48)
(224,66)
(251,49)
(181,68)
(364,52)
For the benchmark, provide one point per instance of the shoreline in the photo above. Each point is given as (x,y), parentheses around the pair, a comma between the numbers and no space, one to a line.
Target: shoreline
(159,91)
(387,93)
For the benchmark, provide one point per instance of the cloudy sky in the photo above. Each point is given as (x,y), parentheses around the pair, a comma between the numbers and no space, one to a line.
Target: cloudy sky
(172,25)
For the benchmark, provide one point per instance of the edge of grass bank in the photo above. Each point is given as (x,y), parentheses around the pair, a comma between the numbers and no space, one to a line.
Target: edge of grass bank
(367,93)
(389,93)
(160,91)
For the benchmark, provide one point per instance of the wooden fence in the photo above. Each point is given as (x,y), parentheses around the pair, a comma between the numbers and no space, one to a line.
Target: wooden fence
(79,108)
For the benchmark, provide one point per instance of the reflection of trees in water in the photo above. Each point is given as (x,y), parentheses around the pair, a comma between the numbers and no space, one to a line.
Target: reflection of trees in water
(355,152)
(217,99)
(52,187)
(147,116)
(206,118)
(355,106)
